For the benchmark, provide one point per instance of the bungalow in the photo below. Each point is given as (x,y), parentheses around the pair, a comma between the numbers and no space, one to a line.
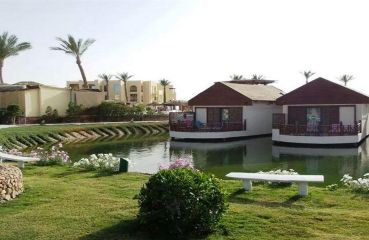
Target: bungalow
(321,113)
(226,110)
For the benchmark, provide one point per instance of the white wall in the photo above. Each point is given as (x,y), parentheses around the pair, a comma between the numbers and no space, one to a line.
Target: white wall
(315,139)
(362,112)
(259,117)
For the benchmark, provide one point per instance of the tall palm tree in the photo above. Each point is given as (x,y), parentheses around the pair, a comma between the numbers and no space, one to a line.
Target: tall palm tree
(257,77)
(307,75)
(164,83)
(124,77)
(236,77)
(106,78)
(345,78)
(76,49)
(9,46)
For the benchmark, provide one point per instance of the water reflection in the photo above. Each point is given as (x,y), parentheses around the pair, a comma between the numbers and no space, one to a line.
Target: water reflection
(249,155)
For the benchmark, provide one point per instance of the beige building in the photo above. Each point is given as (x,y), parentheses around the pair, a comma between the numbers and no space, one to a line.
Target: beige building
(139,92)
(34,99)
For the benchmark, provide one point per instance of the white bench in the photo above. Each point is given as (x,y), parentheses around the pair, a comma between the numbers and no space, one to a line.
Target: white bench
(19,159)
(301,180)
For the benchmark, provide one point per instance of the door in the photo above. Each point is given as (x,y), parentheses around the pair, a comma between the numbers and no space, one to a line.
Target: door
(201,115)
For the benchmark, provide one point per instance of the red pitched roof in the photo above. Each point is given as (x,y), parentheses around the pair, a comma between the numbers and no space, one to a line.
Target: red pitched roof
(322,91)
(219,94)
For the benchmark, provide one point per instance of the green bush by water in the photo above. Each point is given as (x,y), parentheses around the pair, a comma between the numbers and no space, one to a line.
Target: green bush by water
(181,202)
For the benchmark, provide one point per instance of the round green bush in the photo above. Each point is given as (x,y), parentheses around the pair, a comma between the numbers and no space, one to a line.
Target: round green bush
(181,201)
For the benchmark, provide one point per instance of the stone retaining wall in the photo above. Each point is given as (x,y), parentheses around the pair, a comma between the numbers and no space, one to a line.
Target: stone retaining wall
(11,182)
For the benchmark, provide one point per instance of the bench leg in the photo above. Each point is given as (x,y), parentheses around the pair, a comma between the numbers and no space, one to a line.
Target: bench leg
(20,164)
(247,184)
(303,189)
(1,160)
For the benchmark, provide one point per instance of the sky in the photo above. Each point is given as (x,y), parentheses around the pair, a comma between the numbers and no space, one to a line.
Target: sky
(192,43)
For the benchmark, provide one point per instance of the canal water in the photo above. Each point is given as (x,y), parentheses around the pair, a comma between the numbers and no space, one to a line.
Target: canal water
(251,155)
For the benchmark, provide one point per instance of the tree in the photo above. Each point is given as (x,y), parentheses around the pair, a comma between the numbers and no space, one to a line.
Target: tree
(307,75)
(124,77)
(9,46)
(257,77)
(106,78)
(76,49)
(164,83)
(345,78)
(236,77)
(13,111)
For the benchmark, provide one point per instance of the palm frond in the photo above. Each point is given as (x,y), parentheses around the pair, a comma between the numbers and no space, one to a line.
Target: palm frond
(73,47)
(9,45)
(236,77)
(164,82)
(123,76)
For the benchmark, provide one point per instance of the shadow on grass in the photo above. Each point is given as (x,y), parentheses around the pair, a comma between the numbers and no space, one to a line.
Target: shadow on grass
(235,198)
(127,229)
(70,171)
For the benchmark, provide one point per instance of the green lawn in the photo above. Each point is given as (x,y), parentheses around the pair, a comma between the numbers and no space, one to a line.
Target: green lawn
(28,135)
(63,203)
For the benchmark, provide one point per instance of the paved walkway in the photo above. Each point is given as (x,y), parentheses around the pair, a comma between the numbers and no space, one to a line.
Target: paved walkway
(7,126)
(88,123)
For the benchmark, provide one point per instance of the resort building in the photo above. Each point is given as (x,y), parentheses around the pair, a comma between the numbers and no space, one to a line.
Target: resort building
(321,112)
(33,99)
(231,109)
(139,92)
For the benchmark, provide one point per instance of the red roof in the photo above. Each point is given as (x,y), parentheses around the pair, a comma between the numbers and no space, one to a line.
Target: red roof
(219,95)
(322,91)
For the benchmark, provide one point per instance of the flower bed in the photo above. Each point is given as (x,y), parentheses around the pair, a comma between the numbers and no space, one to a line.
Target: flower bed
(359,185)
(100,162)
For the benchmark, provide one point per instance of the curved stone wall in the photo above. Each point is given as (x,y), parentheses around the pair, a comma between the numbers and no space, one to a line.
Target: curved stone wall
(11,182)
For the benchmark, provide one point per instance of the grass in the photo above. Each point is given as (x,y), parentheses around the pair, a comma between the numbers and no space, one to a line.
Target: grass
(63,203)
(28,134)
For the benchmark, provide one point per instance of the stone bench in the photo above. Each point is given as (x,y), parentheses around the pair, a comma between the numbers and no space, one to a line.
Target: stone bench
(19,159)
(301,180)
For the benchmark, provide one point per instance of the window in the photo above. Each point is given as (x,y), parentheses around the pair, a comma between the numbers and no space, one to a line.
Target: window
(225,115)
(133,97)
(116,88)
(74,86)
(133,89)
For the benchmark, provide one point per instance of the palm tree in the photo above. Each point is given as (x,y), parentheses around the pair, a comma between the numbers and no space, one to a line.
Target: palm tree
(164,83)
(106,78)
(257,77)
(307,75)
(236,77)
(76,49)
(9,47)
(345,78)
(124,77)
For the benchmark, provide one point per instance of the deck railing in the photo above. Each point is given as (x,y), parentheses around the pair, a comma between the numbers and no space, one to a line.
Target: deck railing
(320,130)
(182,126)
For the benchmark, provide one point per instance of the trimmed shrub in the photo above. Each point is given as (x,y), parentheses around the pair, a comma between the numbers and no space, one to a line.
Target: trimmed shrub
(181,201)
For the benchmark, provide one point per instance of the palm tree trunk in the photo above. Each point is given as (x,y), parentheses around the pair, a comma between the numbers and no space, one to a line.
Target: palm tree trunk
(126,92)
(85,85)
(1,71)
(165,94)
(107,90)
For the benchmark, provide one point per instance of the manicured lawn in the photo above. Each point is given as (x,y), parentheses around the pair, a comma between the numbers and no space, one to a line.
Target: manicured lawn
(63,203)
(28,135)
